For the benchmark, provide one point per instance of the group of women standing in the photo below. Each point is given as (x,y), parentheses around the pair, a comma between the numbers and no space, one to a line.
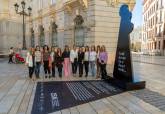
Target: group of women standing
(94,58)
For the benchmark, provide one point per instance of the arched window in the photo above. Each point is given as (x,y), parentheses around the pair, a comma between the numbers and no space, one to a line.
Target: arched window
(79,31)
(54,39)
(41,36)
(32,41)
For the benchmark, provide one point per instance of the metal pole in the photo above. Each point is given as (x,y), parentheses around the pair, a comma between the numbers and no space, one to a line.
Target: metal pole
(24,40)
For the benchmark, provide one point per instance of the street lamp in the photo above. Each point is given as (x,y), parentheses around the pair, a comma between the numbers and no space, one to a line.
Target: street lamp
(23,13)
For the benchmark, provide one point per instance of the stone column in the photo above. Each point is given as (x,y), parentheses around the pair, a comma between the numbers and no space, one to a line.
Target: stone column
(60,30)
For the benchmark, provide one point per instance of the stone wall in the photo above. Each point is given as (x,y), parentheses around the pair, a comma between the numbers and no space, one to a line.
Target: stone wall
(10,35)
(106,28)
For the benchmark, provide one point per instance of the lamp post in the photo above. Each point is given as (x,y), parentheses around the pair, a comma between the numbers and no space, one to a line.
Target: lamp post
(23,13)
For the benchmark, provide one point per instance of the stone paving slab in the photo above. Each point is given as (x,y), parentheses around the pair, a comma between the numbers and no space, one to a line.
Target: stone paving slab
(112,107)
(101,107)
(146,106)
(19,99)
(119,106)
(130,106)
(25,102)
(9,99)
(151,97)
(74,110)
(86,109)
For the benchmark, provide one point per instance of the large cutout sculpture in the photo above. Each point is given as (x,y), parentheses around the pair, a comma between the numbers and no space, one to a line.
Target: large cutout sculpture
(123,71)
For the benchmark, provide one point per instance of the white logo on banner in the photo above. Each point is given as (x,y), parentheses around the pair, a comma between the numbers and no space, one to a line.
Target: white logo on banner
(55,101)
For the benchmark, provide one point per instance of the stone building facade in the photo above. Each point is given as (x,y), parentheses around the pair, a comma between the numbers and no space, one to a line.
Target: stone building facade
(153,35)
(10,27)
(79,22)
(136,37)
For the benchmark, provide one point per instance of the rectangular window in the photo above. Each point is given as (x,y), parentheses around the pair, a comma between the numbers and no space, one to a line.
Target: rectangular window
(164,29)
(161,3)
(53,2)
(159,44)
(155,45)
(164,44)
(161,16)
(40,4)
(160,30)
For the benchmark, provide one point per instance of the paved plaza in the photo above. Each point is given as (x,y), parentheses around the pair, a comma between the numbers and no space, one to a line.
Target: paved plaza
(17,91)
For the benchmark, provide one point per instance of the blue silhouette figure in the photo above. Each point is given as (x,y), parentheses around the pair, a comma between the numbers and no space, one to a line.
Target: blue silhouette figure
(123,64)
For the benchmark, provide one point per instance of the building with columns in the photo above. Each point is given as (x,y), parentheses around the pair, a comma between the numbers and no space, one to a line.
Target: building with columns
(10,26)
(153,35)
(68,22)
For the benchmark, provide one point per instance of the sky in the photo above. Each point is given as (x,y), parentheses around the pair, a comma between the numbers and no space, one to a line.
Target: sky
(137,14)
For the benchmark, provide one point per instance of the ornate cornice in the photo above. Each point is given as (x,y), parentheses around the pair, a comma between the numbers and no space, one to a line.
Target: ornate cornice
(114,3)
(70,4)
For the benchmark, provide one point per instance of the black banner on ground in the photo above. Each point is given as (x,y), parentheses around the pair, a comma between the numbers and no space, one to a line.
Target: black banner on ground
(54,96)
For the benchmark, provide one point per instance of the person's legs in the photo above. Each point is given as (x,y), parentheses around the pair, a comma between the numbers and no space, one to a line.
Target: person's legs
(10,59)
(39,65)
(45,68)
(101,70)
(48,69)
(93,68)
(86,64)
(68,66)
(76,65)
(87,67)
(60,71)
(98,69)
(65,67)
(104,71)
(53,69)
(81,69)
(30,72)
(90,63)
(37,70)
(33,68)
(73,68)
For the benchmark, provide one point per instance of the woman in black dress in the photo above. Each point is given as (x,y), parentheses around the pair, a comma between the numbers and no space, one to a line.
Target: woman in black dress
(46,57)
(80,61)
(59,60)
